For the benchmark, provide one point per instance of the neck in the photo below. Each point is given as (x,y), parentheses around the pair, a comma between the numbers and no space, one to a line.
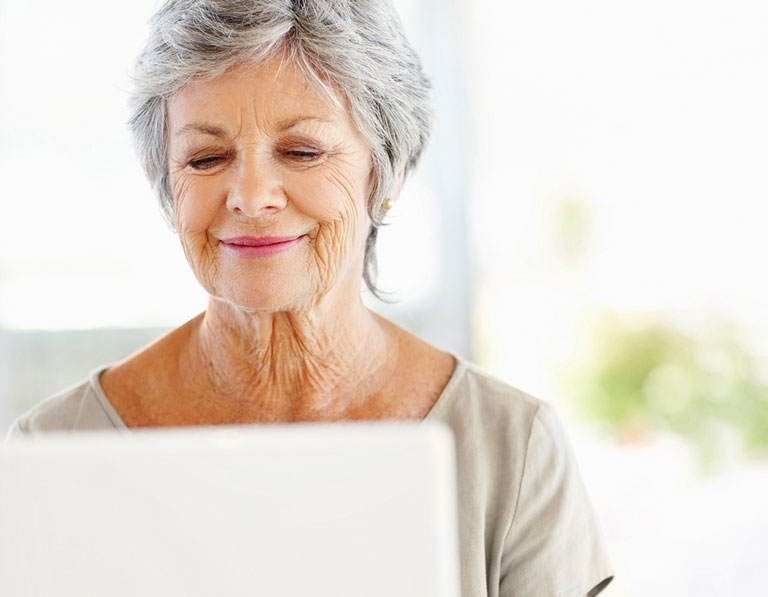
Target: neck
(288,365)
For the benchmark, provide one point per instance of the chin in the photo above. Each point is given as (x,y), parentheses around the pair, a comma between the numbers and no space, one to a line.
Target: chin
(266,298)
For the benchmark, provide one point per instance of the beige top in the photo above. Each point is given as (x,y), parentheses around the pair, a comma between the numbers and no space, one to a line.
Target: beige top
(526,525)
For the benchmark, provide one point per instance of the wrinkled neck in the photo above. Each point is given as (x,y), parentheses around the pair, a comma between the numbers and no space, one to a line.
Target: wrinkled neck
(292,363)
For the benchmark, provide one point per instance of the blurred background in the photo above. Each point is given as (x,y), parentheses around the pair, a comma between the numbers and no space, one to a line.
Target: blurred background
(589,224)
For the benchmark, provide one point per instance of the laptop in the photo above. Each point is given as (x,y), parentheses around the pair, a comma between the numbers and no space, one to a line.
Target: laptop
(321,510)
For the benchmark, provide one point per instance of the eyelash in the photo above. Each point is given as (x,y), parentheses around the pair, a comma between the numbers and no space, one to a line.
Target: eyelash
(211,161)
(206,162)
(305,156)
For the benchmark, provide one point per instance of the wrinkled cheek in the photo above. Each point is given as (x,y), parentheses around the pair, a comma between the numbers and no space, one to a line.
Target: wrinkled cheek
(181,192)
(336,244)
(202,260)
(329,249)
(192,230)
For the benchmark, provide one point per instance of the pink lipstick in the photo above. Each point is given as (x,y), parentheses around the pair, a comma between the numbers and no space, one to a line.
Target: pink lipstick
(262,246)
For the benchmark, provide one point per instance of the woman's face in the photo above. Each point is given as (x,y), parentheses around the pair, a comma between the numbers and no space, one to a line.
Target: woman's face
(269,180)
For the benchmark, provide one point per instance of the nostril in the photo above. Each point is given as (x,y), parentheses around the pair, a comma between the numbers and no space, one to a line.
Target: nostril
(252,196)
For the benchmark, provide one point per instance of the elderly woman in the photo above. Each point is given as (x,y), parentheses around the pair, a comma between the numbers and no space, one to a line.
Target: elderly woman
(277,133)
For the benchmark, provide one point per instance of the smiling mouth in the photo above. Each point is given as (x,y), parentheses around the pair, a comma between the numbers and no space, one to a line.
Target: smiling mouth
(263,246)
(262,241)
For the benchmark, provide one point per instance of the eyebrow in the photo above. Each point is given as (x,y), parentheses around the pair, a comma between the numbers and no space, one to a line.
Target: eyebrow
(201,127)
(217,131)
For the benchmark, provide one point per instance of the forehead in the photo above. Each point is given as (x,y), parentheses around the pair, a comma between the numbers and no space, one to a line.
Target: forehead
(270,91)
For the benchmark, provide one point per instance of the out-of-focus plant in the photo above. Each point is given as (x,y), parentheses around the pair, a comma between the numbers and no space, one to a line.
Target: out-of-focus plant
(643,376)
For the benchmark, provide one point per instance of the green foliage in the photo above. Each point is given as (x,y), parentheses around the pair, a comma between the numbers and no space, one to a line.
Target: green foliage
(650,376)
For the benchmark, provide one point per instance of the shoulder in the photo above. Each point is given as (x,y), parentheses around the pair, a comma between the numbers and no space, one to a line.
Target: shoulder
(525,515)
(475,400)
(499,430)
(554,529)
(80,407)
(504,433)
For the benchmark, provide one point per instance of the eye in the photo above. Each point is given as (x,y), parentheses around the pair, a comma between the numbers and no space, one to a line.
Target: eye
(303,155)
(206,162)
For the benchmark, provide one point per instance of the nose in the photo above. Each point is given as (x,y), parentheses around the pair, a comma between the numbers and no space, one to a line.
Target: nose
(256,187)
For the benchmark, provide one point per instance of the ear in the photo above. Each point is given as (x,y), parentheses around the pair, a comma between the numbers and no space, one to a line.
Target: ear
(397,184)
(394,191)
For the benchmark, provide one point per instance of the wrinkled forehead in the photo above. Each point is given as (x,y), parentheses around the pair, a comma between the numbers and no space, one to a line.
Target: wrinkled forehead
(275,90)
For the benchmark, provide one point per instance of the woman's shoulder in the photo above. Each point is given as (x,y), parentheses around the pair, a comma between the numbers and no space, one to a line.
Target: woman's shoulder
(474,396)
(78,408)
(503,427)
(500,431)
(517,469)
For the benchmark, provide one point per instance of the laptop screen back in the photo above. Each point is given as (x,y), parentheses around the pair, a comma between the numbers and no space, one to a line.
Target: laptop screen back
(323,510)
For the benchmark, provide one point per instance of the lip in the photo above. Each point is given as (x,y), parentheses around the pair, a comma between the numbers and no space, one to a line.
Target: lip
(261,246)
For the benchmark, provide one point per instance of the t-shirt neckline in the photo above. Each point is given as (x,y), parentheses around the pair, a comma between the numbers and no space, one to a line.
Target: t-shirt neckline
(459,368)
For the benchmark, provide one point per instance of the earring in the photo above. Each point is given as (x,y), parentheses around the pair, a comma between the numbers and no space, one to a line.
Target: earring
(387,204)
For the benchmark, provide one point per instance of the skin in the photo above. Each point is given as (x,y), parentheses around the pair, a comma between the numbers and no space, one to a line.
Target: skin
(258,152)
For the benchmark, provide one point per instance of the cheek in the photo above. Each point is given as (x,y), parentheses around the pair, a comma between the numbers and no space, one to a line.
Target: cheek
(194,210)
(194,204)
(336,201)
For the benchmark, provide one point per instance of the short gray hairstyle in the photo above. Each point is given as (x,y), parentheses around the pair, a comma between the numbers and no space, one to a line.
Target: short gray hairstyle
(355,46)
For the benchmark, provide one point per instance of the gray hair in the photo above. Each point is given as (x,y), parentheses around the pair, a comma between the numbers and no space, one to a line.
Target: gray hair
(355,46)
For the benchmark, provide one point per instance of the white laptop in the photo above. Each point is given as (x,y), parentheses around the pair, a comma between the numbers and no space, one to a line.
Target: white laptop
(321,510)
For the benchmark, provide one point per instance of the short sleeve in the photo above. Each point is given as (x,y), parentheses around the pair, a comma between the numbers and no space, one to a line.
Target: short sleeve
(554,547)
